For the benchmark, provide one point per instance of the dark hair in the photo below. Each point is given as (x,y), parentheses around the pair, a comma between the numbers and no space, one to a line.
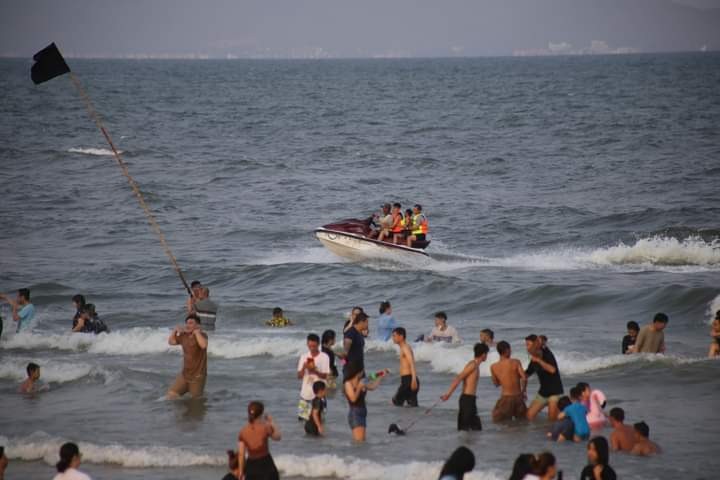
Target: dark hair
(79,299)
(327,336)
(480,349)
(233,462)
(461,461)
(361,317)
(642,428)
(617,413)
(408,211)
(400,331)
(68,451)
(503,347)
(397,205)
(351,370)
(195,283)
(602,449)
(318,386)
(522,466)
(32,367)
(575,392)
(717,315)
(531,338)
(543,338)
(255,410)
(488,332)
(192,316)
(384,306)
(277,311)
(441,315)
(582,386)
(660,318)
(542,463)
(418,206)
(25,293)
(631,325)
(312,337)
(564,402)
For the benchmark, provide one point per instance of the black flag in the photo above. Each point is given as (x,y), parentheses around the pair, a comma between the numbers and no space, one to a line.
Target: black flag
(49,63)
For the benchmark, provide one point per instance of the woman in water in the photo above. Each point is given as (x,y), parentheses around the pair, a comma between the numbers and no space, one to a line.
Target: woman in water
(544,467)
(254,457)
(351,318)
(70,457)
(460,462)
(598,455)
(355,391)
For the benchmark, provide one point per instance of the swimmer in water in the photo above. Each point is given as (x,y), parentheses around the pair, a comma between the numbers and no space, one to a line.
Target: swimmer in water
(278,319)
(622,438)
(33,373)
(715,334)
(508,374)
(594,401)
(628,341)
(487,337)
(643,446)
(468,418)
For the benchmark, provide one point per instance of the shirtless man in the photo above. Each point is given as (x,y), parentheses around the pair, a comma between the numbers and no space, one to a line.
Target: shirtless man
(194,343)
(622,437)
(409,383)
(643,446)
(467,415)
(508,374)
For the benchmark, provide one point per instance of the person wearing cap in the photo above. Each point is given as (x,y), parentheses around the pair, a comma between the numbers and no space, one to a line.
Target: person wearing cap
(381,220)
(420,226)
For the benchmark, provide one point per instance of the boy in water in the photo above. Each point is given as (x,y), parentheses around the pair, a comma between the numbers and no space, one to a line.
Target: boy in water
(508,374)
(468,415)
(23,311)
(628,341)
(328,341)
(563,429)
(278,319)
(578,414)
(314,425)
(33,373)
(409,383)
(622,437)
(487,337)
(442,331)
(643,446)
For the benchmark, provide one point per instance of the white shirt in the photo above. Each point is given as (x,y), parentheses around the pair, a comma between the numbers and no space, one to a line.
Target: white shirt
(448,335)
(322,365)
(71,474)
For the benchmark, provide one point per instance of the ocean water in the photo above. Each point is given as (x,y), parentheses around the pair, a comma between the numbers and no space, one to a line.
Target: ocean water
(566,196)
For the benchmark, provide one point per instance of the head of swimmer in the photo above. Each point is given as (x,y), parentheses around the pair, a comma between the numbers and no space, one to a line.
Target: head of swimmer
(584,389)
(192,323)
(660,321)
(632,329)
(195,287)
(441,320)
(399,335)
(480,350)
(313,344)
(33,371)
(319,389)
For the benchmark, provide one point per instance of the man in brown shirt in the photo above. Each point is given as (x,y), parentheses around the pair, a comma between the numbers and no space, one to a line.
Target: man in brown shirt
(651,338)
(194,344)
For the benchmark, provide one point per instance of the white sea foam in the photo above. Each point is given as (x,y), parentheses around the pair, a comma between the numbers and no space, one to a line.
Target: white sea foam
(40,446)
(713,308)
(313,255)
(50,371)
(93,151)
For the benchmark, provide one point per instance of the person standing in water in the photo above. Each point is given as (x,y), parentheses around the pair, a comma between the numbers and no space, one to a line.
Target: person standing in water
(468,414)
(254,458)
(409,383)
(542,363)
(508,374)
(33,373)
(70,458)
(651,338)
(622,437)
(23,311)
(354,343)
(385,323)
(313,366)
(355,390)
(194,343)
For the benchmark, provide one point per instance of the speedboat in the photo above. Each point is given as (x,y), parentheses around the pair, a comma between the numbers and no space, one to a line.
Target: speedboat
(350,238)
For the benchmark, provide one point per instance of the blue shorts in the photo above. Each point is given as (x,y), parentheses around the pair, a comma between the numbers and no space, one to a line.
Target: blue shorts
(357,417)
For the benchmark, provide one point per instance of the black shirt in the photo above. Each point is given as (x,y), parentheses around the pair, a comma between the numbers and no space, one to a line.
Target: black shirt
(550,383)
(331,355)
(356,355)
(628,341)
(310,426)
(607,474)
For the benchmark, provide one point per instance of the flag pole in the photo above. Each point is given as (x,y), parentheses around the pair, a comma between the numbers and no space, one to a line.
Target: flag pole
(133,184)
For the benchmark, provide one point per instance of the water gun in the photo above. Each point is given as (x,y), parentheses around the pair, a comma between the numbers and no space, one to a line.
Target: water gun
(379,374)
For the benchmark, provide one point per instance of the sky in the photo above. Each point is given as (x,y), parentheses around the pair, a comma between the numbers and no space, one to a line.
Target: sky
(360,28)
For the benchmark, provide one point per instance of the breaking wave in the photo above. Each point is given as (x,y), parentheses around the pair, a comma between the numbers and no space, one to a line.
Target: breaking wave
(51,371)
(93,151)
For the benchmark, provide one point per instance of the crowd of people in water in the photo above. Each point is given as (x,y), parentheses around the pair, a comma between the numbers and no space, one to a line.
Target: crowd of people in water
(578,416)
(394,226)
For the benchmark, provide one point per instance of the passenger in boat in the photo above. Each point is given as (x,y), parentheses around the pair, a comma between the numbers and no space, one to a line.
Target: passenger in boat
(381,220)
(407,228)
(396,226)
(420,226)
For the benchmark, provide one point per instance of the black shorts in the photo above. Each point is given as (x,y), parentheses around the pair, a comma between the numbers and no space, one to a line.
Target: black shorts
(405,393)
(420,237)
(261,469)
(468,414)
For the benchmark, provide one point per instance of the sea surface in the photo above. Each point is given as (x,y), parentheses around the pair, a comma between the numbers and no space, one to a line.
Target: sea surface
(566,196)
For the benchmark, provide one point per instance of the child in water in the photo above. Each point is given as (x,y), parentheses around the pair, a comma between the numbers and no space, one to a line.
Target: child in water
(578,414)
(562,429)
(33,373)
(314,424)
(278,319)
(628,341)
(594,401)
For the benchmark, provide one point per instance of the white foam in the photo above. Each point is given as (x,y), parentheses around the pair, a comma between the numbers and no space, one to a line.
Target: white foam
(313,255)
(41,446)
(93,151)
(50,371)
(661,251)
(713,308)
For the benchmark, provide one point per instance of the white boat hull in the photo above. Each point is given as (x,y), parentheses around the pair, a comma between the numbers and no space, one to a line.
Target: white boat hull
(359,248)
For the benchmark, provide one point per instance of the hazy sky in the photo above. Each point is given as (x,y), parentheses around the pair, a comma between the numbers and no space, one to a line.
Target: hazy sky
(342,28)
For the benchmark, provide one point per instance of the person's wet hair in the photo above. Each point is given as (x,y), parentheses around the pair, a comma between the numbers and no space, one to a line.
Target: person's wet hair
(480,349)
(717,315)
(327,336)
(442,316)
(233,460)
(631,325)
(352,370)
(384,306)
(361,317)
(503,347)
(32,368)
(318,387)
(312,337)
(400,331)
(79,299)
(489,333)
(68,451)
(542,463)
(660,318)
(192,316)
(195,284)
(397,205)
(618,414)
(277,311)
(602,449)
(564,402)
(642,428)
(582,386)
(255,410)
(461,461)
(523,466)
(575,393)
(531,338)
(25,293)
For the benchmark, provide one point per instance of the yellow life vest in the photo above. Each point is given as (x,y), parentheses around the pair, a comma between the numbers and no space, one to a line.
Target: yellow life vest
(421,224)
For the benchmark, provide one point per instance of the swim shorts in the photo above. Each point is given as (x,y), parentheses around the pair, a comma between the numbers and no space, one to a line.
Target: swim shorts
(261,469)
(468,414)
(357,417)
(545,400)
(182,386)
(509,407)
(420,237)
(405,393)
(304,409)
